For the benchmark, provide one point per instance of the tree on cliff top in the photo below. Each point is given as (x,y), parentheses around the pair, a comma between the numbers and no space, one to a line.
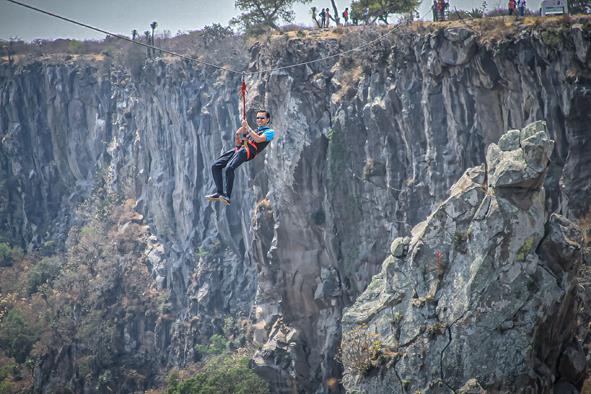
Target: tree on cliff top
(372,10)
(260,15)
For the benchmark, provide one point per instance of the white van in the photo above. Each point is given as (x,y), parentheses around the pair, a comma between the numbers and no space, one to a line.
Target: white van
(554,7)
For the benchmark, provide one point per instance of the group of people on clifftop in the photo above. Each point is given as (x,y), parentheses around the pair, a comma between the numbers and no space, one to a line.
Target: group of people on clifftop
(515,6)
(439,9)
(326,17)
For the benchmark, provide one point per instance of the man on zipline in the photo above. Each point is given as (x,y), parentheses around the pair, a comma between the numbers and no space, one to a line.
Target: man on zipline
(248,144)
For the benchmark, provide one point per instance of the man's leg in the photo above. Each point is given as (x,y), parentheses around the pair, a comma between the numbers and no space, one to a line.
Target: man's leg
(235,162)
(216,169)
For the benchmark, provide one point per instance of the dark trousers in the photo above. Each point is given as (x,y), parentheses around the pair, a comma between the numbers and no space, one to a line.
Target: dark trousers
(230,160)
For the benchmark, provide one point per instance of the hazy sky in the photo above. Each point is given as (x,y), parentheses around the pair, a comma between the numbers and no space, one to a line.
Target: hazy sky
(121,16)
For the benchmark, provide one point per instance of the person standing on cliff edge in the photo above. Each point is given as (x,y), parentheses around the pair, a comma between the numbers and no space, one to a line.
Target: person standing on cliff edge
(248,143)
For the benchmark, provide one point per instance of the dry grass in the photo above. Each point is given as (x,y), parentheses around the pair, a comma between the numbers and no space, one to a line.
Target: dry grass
(314,34)
(317,34)
(348,79)
(491,29)
(585,225)
(264,203)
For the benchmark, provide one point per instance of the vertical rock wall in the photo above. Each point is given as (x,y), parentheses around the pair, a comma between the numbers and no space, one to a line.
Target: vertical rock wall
(371,147)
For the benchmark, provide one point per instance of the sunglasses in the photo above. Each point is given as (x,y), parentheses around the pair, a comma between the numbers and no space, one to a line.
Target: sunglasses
(261,118)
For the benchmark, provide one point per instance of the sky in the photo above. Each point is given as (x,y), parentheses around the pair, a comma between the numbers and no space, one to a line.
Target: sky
(122,16)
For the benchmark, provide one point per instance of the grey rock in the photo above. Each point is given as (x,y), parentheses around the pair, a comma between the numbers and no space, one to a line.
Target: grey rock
(399,246)
(510,140)
(458,47)
(471,387)
(564,388)
(533,129)
(581,40)
(561,247)
(572,363)
(523,167)
(471,288)
(275,361)
(329,285)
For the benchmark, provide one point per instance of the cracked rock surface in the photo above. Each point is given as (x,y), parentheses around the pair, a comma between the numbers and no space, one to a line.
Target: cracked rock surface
(482,293)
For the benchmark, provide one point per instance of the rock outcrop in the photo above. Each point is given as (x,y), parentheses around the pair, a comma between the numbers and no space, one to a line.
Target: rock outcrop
(482,292)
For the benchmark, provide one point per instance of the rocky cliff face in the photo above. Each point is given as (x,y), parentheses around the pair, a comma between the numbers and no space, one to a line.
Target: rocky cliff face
(367,146)
(482,294)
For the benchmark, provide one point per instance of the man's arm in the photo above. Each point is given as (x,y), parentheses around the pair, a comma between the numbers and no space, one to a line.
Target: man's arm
(238,137)
(255,137)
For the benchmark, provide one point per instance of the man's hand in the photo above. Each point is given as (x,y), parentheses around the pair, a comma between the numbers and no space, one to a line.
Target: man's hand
(245,126)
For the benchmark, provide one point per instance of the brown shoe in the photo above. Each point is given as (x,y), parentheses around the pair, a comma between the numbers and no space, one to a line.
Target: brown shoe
(213,197)
(224,199)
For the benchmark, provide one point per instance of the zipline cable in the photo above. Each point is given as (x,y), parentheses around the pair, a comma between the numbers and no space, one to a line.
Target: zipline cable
(120,36)
(358,48)
(243,73)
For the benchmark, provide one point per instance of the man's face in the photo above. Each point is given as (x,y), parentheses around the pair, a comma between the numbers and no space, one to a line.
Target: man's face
(262,119)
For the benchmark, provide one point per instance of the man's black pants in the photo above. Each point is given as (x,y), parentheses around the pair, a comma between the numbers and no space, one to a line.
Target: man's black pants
(230,160)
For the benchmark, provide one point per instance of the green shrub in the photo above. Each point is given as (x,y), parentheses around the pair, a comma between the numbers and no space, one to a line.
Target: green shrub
(5,254)
(525,249)
(551,38)
(217,345)
(88,230)
(229,325)
(6,387)
(215,33)
(17,254)
(360,350)
(330,134)
(43,272)
(7,371)
(201,252)
(76,47)
(224,374)
(84,365)
(105,380)
(17,336)
(48,248)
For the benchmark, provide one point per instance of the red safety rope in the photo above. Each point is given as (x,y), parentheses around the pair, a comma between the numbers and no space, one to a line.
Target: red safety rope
(243,92)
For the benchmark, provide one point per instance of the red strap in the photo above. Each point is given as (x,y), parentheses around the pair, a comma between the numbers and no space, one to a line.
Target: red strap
(248,150)
(243,91)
